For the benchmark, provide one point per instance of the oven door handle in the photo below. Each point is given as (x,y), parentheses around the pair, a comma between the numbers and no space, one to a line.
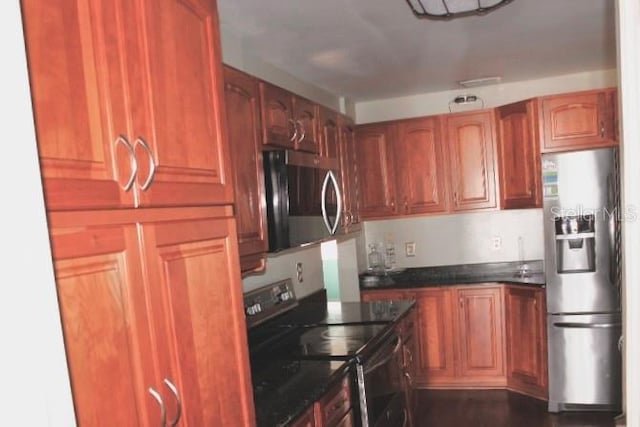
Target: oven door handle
(374,364)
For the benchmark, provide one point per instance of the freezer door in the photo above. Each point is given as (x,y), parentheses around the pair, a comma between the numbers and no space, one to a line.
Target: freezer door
(580,217)
(585,362)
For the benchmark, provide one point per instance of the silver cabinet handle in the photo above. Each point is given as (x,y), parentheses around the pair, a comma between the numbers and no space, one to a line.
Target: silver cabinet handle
(152,169)
(163,410)
(295,131)
(601,128)
(299,123)
(132,161)
(174,390)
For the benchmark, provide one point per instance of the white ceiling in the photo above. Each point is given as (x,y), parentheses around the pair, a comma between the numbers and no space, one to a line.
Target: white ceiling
(374,49)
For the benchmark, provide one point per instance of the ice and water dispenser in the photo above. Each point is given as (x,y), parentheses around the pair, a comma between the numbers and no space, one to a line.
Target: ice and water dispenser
(575,244)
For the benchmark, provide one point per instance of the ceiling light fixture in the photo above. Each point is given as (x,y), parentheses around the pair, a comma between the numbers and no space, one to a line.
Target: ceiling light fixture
(445,9)
(482,81)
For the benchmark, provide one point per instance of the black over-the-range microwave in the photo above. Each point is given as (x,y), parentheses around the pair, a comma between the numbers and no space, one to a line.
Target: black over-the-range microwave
(304,198)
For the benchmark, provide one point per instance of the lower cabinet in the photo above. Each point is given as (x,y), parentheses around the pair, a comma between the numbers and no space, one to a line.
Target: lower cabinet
(334,408)
(331,410)
(477,336)
(152,315)
(305,420)
(526,340)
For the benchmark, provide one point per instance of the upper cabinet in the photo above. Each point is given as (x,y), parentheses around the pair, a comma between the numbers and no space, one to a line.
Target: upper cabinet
(471,148)
(519,155)
(329,133)
(113,133)
(578,120)
(374,154)
(349,172)
(288,121)
(242,99)
(420,166)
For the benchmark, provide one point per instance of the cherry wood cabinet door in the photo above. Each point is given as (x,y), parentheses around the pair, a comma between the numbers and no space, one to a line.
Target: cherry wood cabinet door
(198,312)
(80,101)
(526,340)
(243,125)
(480,325)
(329,133)
(577,120)
(420,166)
(435,339)
(103,303)
(181,140)
(305,114)
(382,295)
(349,173)
(278,126)
(374,156)
(471,148)
(519,155)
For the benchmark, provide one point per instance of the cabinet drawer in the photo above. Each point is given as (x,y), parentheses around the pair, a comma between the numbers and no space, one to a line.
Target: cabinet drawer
(305,420)
(333,406)
(347,421)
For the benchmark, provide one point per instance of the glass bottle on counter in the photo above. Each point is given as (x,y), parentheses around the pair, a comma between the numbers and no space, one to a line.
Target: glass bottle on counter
(376,262)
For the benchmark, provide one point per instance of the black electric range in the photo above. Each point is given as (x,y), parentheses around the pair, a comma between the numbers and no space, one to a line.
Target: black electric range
(297,352)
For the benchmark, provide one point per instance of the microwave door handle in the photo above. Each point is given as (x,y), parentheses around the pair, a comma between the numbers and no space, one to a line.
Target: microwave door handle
(331,178)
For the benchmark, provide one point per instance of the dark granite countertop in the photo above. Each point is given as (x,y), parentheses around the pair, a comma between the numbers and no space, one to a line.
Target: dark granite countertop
(504,272)
(307,382)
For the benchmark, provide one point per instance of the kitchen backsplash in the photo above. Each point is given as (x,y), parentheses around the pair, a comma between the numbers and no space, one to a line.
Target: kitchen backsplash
(458,239)
(282,266)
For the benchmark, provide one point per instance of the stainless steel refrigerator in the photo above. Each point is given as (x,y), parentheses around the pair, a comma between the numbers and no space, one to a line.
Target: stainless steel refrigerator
(582,268)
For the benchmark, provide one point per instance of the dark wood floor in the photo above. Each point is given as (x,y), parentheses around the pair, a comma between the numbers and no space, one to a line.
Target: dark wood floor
(496,408)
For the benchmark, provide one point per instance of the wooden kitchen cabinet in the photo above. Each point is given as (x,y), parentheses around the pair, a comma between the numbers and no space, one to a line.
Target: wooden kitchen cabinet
(305,420)
(435,336)
(288,121)
(519,155)
(374,157)
(151,300)
(113,133)
(471,150)
(526,336)
(349,173)
(480,331)
(459,334)
(420,166)
(578,120)
(242,101)
(332,409)
(329,133)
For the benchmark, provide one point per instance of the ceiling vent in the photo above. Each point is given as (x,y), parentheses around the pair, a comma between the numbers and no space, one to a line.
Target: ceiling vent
(481,81)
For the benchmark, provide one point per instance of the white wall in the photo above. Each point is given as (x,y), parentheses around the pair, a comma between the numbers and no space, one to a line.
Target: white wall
(235,55)
(283,266)
(348,271)
(461,238)
(628,31)
(438,102)
(35,387)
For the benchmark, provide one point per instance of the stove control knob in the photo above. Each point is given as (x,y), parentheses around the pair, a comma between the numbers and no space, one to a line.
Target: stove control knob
(258,308)
(250,311)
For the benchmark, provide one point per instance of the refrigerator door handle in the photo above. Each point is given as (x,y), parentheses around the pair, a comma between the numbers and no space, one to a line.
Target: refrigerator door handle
(578,325)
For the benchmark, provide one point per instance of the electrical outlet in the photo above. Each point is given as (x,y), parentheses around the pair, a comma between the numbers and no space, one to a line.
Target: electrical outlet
(496,243)
(410,248)
(299,272)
